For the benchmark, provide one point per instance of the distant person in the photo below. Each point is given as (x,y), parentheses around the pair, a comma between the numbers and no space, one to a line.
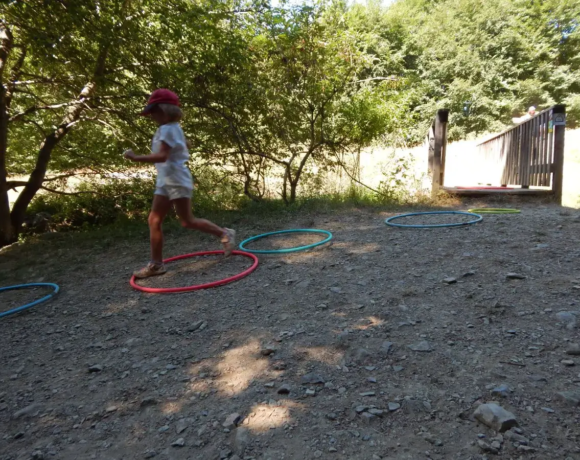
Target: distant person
(174,185)
(531,113)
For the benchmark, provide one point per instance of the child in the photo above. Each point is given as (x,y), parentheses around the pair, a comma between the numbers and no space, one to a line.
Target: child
(174,185)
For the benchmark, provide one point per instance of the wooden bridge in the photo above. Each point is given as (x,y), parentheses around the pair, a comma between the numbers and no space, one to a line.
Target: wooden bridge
(526,159)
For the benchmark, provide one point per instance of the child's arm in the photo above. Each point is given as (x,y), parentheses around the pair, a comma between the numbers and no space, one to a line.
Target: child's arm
(160,157)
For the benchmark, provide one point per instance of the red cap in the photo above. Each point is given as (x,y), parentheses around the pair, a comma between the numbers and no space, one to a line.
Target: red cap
(160,96)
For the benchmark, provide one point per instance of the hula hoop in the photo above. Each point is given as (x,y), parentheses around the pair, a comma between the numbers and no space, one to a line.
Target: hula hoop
(477,219)
(286,250)
(495,211)
(31,304)
(231,279)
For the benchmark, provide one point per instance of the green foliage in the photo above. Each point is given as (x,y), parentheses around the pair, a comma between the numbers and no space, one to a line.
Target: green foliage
(274,95)
(96,205)
(498,57)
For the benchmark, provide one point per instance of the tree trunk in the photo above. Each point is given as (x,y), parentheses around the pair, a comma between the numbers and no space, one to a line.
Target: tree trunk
(7,234)
(73,115)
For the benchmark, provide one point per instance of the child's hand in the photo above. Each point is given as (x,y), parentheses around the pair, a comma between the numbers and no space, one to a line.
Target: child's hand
(129,154)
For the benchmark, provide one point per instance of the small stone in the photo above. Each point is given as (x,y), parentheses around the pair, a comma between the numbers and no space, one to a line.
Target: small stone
(28,411)
(310,392)
(548,410)
(369,418)
(341,390)
(111,409)
(496,445)
(393,406)
(511,435)
(567,362)
(284,389)
(149,454)
(421,346)
(182,425)
(526,449)
(377,412)
(149,401)
(495,417)
(568,318)
(360,409)
(450,280)
(469,273)
(386,348)
(225,454)
(332,449)
(317,454)
(367,393)
(515,276)
(361,356)
(279,366)
(37,455)
(331,416)
(241,440)
(398,368)
(163,429)
(485,447)
(194,326)
(232,420)
(573,349)
(178,442)
(372,380)
(95,368)
(502,391)
(312,379)
(571,398)
(268,350)
(18,435)
(336,290)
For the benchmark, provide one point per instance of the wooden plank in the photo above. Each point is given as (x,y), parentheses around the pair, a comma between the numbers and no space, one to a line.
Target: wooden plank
(534,151)
(550,154)
(545,159)
(479,192)
(558,116)
(440,140)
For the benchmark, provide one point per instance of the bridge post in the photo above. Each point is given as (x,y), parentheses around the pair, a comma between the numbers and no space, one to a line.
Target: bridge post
(558,122)
(437,149)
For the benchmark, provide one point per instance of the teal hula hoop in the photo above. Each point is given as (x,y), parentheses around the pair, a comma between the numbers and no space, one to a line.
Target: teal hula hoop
(477,219)
(31,304)
(286,250)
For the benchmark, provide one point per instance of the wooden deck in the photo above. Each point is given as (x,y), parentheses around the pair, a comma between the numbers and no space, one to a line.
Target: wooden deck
(496,191)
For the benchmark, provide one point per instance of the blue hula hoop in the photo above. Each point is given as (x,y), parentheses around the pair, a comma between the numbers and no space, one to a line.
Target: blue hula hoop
(477,219)
(31,304)
(286,250)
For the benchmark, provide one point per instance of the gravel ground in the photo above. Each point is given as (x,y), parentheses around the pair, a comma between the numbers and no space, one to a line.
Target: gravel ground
(382,345)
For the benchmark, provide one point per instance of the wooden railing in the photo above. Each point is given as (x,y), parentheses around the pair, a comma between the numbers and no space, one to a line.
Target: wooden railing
(437,142)
(528,154)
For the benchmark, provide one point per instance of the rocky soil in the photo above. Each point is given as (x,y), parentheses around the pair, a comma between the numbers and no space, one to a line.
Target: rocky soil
(456,343)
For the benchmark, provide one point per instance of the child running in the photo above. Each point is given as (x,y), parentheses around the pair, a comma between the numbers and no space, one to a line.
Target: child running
(174,186)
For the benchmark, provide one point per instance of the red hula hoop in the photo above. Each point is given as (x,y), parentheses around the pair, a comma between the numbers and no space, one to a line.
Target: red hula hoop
(231,279)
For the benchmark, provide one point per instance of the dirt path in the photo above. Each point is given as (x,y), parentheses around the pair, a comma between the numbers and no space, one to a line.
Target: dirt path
(357,350)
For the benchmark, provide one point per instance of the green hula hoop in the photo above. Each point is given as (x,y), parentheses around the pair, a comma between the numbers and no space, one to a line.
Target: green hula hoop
(285,250)
(495,211)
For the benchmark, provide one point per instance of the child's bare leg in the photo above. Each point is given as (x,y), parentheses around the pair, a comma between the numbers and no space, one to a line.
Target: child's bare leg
(183,209)
(226,235)
(159,210)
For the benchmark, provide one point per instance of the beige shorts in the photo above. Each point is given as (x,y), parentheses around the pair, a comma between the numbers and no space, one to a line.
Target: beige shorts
(174,192)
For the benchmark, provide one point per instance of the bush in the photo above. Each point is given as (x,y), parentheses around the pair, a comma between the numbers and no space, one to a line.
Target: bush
(126,200)
(95,204)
